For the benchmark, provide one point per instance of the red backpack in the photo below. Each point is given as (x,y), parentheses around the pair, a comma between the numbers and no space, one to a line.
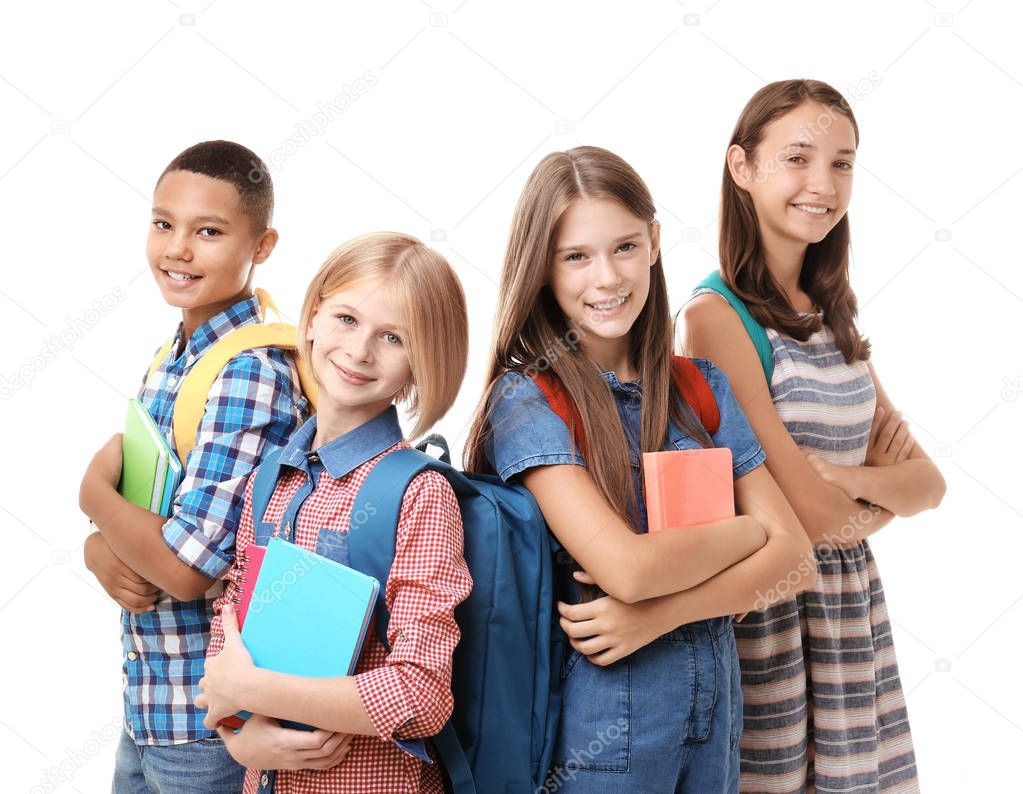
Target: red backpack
(688,379)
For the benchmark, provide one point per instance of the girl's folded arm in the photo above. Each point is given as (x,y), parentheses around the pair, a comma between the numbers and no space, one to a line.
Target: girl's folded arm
(627,565)
(607,630)
(785,566)
(905,488)
(714,331)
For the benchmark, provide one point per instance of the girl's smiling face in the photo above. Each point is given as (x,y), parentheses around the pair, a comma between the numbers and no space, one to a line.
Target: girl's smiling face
(359,354)
(801,178)
(600,272)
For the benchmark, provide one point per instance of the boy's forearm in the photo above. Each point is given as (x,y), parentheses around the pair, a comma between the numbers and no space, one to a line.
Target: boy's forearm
(136,536)
(333,704)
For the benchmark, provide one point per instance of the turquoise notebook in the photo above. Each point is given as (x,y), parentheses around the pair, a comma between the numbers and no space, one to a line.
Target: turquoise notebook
(308,615)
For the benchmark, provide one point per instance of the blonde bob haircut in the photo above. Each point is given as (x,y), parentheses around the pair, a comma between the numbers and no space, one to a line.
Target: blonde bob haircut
(432,310)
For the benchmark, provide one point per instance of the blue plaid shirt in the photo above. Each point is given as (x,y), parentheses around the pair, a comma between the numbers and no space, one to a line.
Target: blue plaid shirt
(254,405)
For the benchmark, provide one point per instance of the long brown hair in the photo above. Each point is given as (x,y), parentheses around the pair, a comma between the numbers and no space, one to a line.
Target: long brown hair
(531,332)
(825,272)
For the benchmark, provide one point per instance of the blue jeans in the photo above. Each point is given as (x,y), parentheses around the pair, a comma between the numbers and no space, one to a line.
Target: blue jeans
(665,719)
(200,767)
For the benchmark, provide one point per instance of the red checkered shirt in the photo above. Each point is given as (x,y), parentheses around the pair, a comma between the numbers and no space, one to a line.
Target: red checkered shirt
(407,692)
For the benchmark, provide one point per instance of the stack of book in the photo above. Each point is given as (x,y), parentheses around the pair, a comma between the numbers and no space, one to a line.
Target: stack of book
(150,471)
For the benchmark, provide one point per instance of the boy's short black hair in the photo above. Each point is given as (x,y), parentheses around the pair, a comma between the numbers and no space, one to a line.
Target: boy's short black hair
(233,163)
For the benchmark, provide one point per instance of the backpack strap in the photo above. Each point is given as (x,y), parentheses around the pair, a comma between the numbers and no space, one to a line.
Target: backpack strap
(688,380)
(695,390)
(190,404)
(263,488)
(372,536)
(164,350)
(758,336)
(563,405)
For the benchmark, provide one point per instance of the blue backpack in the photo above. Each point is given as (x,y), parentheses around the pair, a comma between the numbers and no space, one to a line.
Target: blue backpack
(506,677)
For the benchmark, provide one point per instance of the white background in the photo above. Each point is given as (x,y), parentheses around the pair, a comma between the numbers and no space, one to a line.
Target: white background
(96,98)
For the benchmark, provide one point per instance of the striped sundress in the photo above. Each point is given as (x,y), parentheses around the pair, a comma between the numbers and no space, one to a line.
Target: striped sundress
(824,709)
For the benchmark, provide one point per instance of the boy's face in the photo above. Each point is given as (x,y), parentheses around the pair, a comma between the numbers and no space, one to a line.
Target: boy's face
(201,246)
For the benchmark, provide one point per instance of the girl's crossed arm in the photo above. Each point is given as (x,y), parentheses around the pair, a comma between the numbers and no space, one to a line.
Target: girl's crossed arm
(906,483)
(713,330)
(629,566)
(607,629)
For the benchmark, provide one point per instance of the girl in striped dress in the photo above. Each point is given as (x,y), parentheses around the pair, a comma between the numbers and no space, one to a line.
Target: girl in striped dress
(824,709)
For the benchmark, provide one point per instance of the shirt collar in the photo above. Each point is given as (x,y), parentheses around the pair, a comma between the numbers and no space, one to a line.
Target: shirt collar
(627,386)
(348,451)
(243,312)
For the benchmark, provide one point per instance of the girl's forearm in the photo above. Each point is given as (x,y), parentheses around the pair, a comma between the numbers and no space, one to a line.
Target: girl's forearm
(682,557)
(333,704)
(846,520)
(780,570)
(904,489)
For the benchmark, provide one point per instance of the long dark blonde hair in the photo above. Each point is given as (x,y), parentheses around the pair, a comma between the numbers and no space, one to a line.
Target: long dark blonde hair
(825,273)
(531,330)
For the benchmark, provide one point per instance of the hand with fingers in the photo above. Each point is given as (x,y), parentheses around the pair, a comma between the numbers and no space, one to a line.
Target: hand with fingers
(844,477)
(890,439)
(263,744)
(127,588)
(890,444)
(605,629)
(227,675)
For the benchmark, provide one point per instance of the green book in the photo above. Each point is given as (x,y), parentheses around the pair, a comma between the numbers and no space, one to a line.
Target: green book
(150,471)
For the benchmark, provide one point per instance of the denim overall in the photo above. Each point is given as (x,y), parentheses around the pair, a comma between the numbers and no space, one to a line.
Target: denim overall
(669,716)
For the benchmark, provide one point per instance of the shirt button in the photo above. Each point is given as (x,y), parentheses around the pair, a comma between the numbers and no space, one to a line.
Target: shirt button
(132,656)
(287,531)
(265,780)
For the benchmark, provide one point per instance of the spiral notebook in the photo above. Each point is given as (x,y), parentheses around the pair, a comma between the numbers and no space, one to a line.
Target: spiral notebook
(688,487)
(303,614)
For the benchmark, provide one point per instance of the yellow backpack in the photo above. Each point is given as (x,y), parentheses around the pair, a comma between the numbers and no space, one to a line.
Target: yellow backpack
(190,404)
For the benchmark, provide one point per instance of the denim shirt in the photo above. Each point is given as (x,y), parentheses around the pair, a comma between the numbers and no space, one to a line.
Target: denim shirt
(526,432)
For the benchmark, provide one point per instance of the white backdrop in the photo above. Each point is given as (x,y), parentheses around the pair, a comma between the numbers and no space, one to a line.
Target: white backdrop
(426,116)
